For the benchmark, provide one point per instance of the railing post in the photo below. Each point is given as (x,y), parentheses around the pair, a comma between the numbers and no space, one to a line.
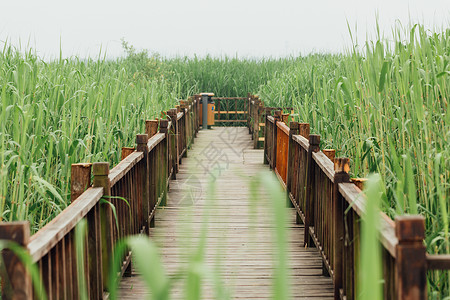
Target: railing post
(126,151)
(291,170)
(411,263)
(341,169)
(101,171)
(16,283)
(151,127)
(303,130)
(163,129)
(314,141)
(185,133)
(256,126)
(146,178)
(172,113)
(80,179)
(330,153)
(276,118)
(266,135)
(249,113)
(197,107)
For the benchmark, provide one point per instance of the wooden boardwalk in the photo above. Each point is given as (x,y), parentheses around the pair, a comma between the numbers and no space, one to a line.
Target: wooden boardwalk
(239,241)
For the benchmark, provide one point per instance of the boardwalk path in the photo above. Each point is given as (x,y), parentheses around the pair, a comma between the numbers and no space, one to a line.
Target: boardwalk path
(239,235)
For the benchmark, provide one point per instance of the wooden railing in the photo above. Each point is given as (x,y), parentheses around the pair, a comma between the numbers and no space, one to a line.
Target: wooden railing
(256,118)
(331,205)
(119,202)
(231,111)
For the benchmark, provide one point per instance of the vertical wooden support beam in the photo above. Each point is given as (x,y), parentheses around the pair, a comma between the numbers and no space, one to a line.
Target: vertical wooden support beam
(198,112)
(16,283)
(101,172)
(165,174)
(192,120)
(256,124)
(185,132)
(151,127)
(341,169)
(411,263)
(291,170)
(277,118)
(285,118)
(304,130)
(330,153)
(172,113)
(314,141)
(176,135)
(146,177)
(80,179)
(260,114)
(266,136)
(249,111)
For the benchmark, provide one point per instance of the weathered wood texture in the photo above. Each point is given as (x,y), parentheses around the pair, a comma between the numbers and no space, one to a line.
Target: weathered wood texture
(332,209)
(134,187)
(239,232)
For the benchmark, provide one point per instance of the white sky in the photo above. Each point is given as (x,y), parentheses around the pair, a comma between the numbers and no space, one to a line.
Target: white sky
(175,27)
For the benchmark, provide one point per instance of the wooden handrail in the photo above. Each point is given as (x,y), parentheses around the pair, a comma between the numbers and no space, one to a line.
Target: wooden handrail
(283,127)
(48,236)
(141,177)
(438,262)
(302,141)
(331,208)
(229,98)
(325,164)
(125,165)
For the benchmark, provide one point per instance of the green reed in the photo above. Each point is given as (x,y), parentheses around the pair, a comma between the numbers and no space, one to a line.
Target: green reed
(384,104)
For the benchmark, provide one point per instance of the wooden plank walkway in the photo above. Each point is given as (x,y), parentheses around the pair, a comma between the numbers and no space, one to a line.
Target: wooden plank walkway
(239,235)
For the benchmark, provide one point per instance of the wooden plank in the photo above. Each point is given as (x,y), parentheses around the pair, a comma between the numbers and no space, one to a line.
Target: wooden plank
(325,164)
(228,98)
(124,166)
(438,261)
(179,115)
(239,231)
(239,112)
(80,179)
(47,237)
(155,140)
(17,284)
(283,127)
(302,141)
(230,121)
(356,199)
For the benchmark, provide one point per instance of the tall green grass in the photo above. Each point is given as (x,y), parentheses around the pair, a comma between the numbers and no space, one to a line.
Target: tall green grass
(53,114)
(384,104)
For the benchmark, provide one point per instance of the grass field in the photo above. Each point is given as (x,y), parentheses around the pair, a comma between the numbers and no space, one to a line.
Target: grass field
(383,104)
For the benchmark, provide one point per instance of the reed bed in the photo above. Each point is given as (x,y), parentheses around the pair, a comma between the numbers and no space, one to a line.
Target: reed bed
(384,105)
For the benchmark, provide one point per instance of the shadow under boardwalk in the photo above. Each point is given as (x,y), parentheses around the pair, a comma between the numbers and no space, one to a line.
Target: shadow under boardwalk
(240,246)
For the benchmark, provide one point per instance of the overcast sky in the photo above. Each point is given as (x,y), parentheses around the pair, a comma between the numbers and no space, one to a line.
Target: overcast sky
(175,27)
